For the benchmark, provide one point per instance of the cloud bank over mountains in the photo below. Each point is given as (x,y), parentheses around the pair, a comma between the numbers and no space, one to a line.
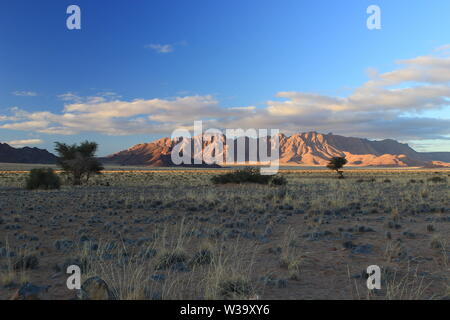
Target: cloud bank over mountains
(393,104)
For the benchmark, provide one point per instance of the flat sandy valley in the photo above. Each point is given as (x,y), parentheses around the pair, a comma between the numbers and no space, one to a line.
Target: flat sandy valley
(172,234)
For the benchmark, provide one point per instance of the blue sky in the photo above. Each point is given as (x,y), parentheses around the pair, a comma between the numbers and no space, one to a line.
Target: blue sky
(287,64)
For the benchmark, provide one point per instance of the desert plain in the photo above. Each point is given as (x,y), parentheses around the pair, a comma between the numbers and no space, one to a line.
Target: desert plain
(173,234)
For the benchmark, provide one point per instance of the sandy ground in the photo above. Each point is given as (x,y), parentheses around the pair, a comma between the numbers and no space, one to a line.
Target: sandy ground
(312,239)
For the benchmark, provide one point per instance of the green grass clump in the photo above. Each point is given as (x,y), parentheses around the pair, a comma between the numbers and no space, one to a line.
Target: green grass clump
(43,179)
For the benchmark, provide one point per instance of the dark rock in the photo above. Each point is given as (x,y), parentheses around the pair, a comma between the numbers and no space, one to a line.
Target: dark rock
(95,288)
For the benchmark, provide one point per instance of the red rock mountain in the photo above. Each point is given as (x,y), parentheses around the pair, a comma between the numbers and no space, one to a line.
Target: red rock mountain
(155,154)
(304,149)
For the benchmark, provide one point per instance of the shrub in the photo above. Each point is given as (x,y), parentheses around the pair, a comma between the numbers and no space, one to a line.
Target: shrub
(437,179)
(336,164)
(247,175)
(278,181)
(78,161)
(43,179)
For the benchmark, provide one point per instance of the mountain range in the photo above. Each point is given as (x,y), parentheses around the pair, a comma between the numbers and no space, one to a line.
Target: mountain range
(303,149)
(9,154)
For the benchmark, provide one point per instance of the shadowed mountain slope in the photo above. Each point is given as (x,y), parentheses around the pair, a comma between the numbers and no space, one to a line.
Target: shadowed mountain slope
(9,154)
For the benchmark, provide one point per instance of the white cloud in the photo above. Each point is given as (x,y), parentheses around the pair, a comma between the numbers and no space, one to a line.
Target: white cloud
(445,47)
(120,117)
(161,48)
(25,93)
(70,97)
(376,109)
(26,125)
(165,48)
(25,142)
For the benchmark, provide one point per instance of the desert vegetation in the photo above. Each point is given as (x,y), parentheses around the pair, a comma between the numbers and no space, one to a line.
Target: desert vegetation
(336,164)
(43,179)
(78,161)
(175,234)
(248,175)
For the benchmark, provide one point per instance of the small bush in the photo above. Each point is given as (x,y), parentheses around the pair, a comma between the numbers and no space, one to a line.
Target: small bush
(437,179)
(43,179)
(337,163)
(247,175)
(278,181)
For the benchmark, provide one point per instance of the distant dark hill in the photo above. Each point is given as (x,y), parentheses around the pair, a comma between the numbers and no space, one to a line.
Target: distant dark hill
(9,154)
(365,146)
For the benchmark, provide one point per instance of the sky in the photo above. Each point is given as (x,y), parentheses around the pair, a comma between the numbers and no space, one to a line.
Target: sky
(137,70)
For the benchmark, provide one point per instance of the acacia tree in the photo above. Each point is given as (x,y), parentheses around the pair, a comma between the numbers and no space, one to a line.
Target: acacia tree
(336,164)
(78,161)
